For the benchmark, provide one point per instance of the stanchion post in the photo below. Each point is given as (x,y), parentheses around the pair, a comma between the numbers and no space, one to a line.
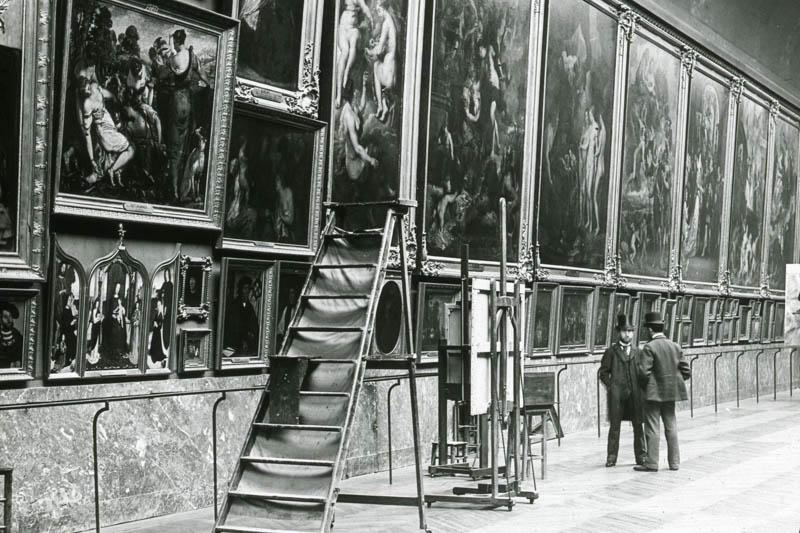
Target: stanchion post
(737,377)
(214,450)
(94,464)
(775,375)
(691,385)
(558,396)
(757,374)
(791,360)
(715,378)
(597,385)
(389,425)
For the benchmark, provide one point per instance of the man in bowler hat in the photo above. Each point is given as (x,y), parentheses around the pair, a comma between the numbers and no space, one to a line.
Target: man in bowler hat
(619,374)
(662,371)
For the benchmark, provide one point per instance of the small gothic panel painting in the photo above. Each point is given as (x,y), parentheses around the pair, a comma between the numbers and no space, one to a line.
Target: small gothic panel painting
(648,158)
(747,203)
(476,125)
(19,312)
(66,301)
(704,180)
(783,208)
(145,101)
(161,319)
(576,134)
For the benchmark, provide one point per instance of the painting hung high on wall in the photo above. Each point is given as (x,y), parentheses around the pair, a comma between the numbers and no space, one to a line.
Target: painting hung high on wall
(749,177)
(576,134)
(783,211)
(648,158)
(274,184)
(703,182)
(476,125)
(145,111)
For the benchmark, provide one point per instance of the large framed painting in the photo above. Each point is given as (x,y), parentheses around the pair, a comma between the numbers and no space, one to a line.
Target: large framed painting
(20,310)
(704,179)
(145,110)
(375,83)
(26,69)
(783,205)
(476,126)
(575,320)
(648,168)
(432,302)
(576,134)
(278,57)
(749,184)
(273,197)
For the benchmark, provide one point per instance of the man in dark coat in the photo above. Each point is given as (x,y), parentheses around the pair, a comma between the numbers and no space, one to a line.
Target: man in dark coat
(662,371)
(619,374)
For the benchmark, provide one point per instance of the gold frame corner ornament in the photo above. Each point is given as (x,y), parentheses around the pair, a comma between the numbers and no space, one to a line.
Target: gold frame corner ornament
(306,103)
(724,283)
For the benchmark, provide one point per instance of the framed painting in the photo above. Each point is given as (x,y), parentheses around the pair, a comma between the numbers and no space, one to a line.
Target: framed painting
(575,151)
(670,308)
(277,63)
(375,86)
(162,316)
(623,305)
(542,320)
(647,302)
(575,320)
(19,320)
(145,114)
(26,69)
(745,314)
(649,163)
(477,117)
(704,175)
(699,321)
(432,325)
(713,317)
(246,304)
(604,321)
(66,319)
(778,321)
(783,205)
(274,183)
(194,354)
(291,279)
(766,321)
(791,325)
(193,298)
(747,202)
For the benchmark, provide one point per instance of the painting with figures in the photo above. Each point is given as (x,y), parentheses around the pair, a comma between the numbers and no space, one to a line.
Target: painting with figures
(65,315)
(703,182)
(648,158)
(246,298)
(10,92)
(476,125)
(782,212)
(749,177)
(138,123)
(290,287)
(14,336)
(161,322)
(576,134)
(432,317)
(576,312)
(368,95)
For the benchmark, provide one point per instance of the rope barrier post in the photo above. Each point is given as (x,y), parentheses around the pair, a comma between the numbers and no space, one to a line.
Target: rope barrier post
(715,379)
(691,385)
(791,383)
(775,375)
(558,397)
(757,374)
(222,397)
(737,377)
(96,471)
(389,424)
(597,384)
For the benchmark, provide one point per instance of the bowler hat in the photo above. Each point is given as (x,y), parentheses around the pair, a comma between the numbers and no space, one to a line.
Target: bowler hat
(623,323)
(653,318)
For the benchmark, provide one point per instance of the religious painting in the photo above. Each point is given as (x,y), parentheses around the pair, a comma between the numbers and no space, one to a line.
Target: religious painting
(603,321)
(576,134)
(648,169)
(195,350)
(292,278)
(755,323)
(747,203)
(783,208)
(161,336)
(145,102)
(193,300)
(277,57)
(703,184)
(66,303)
(432,324)
(115,314)
(540,337)
(476,126)
(574,325)
(246,305)
(274,183)
(19,312)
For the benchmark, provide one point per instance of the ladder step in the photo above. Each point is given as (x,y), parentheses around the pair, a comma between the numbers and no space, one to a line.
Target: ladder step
(243,529)
(301,427)
(336,361)
(326,328)
(328,394)
(335,297)
(335,266)
(284,461)
(354,235)
(278,496)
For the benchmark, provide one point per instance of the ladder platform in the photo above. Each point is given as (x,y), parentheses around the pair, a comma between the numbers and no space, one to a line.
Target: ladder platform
(285,461)
(276,496)
(301,427)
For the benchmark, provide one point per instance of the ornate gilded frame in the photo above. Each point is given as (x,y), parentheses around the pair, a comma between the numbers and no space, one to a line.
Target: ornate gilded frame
(198,312)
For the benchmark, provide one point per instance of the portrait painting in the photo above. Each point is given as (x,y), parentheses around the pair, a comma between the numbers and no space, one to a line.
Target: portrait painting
(195,350)
(161,318)
(703,184)
(575,320)
(783,207)
(292,277)
(193,301)
(647,302)
(144,105)
(648,167)
(542,319)
(432,320)
(602,318)
(749,182)
(476,126)
(274,182)
(19,309)
(576,134)
(66,306)
(246,301)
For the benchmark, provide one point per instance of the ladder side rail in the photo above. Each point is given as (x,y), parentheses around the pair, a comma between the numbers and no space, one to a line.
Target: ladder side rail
(517,382)
(494,408)
(406,283)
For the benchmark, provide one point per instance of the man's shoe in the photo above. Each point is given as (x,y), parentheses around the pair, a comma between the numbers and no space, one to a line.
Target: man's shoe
(675,467)
(640,461)
(610,463)
(644,468)
(611,460)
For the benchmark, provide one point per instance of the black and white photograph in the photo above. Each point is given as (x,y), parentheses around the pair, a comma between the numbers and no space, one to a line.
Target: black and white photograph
(576,134)
(10,91)
(476,125)
(161,318)
(195,350)
(433,299)
(783,212)
(193,299)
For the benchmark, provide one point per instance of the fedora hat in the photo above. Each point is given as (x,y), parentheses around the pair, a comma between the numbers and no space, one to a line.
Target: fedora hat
(623,323)
(654,318)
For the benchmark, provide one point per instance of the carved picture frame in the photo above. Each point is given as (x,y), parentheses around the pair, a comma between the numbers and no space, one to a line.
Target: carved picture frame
(193,291)
(19,345)
(575,327)
(295,90)
(194,352)
(136,178)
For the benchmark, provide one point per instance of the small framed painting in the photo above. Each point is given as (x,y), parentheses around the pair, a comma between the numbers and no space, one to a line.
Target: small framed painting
(19,315)
(195,350)
(575,324)
(193,294)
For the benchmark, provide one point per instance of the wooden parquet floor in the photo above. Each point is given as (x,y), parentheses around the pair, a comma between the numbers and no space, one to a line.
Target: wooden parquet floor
(740,472)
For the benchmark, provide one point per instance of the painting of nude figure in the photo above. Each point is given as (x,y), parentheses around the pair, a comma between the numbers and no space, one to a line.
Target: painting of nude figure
(576,134)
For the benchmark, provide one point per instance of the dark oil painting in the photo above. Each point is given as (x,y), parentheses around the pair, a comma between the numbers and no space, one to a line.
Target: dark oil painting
(576,134)
(747,203)
(64,317)
(243,312)
(367,124)
(576,312)
(290,288)
(476,125)
(648,159)
(161,323)
(269,41)
(704,181)
(138,107)
(783,208)
(13,344)
(10,93)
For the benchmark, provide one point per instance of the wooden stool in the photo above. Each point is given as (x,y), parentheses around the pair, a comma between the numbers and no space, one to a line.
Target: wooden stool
(456,452)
